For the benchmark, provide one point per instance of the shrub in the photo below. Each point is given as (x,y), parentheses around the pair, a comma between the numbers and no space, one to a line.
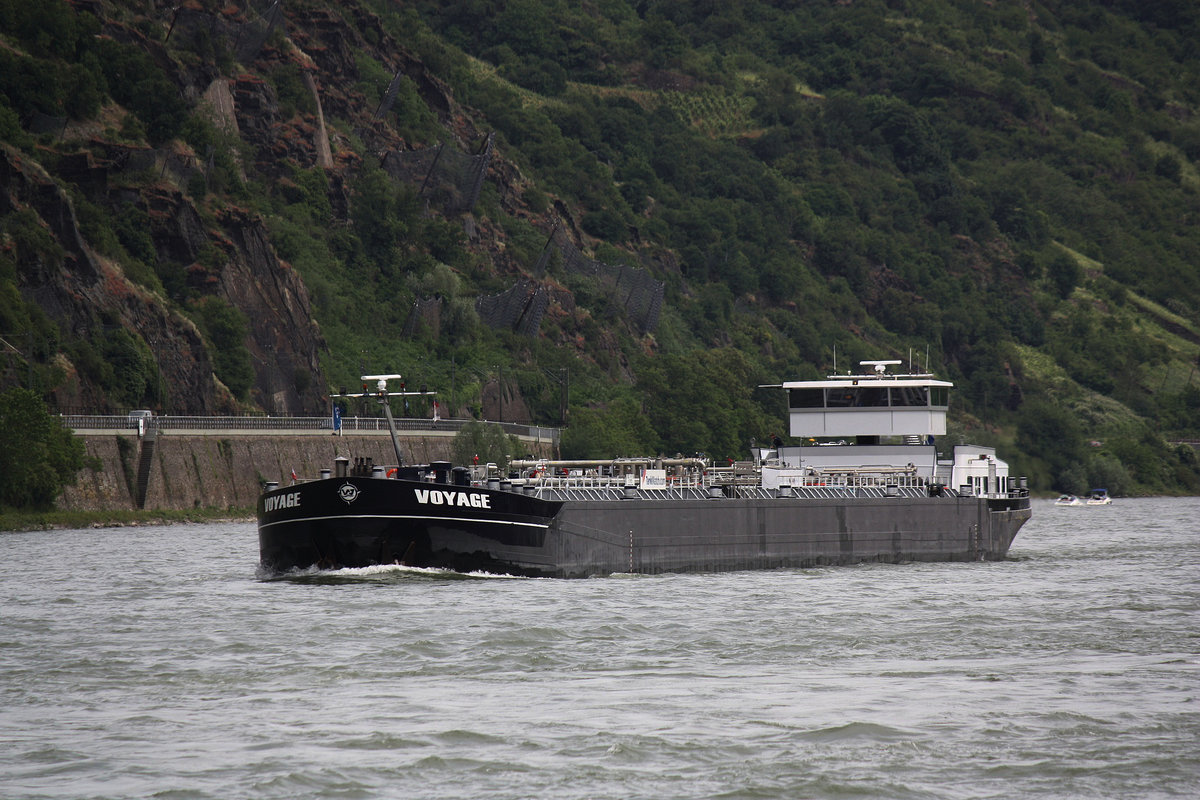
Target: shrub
(486,441)
(225,329)
(39,456)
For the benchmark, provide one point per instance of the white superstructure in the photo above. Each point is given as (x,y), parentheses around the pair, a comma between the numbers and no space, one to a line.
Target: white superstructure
(879,423)
(876,404)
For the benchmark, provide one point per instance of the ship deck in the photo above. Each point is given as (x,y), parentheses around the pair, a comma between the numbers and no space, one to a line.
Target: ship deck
(568,493)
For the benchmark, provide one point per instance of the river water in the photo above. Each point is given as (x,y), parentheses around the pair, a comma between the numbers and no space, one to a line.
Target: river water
(152,662)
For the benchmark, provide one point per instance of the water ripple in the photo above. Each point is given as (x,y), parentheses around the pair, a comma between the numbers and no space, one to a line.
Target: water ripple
(154,662)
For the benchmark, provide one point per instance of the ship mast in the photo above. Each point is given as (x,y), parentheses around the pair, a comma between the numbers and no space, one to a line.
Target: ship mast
(381,394)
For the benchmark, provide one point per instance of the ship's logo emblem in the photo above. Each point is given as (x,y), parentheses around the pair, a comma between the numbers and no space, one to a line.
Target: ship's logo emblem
(348,492)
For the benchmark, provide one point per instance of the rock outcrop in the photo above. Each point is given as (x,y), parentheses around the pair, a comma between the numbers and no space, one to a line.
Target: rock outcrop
(231,64)
(84,293)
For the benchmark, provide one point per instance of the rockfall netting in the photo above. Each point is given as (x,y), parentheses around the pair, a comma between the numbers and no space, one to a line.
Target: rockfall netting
(424,309)
(449,180)
(243,37)
(519,309)
(632,289)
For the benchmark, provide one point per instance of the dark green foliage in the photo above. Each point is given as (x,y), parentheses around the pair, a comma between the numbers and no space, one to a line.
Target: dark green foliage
(224,328)
(620,429)
(137,83)
(699,403)
(31,240)
(135,380)
(50,82)
(10,126)
(545,76)
(32,337)
(48,87)
(1064,273)
(1054,437)
(38,456)
(1180,411)
(109,232)
(119,364)
(445,241)
(70,69)
(485,442)
(294,97)
(605,224)
(385,215)
(48,28)
(1148,462)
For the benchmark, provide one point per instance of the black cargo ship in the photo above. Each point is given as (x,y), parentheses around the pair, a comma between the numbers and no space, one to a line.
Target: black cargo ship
(886,497)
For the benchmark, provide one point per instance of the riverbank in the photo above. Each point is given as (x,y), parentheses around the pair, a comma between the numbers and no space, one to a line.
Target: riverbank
(57,519)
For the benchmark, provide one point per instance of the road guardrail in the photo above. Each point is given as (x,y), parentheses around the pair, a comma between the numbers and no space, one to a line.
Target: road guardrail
(94,422)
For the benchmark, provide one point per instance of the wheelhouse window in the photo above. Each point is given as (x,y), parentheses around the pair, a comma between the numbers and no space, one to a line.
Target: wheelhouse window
(940,396)
(806,398)
(856,397)
(910,396)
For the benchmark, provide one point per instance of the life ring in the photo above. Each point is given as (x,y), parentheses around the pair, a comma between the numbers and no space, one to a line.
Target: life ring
(392,471)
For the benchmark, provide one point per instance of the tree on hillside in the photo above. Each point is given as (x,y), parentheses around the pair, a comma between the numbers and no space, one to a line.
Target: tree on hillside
(1053,435)
(38,456)
(620,429)
(225,326)
(487,442)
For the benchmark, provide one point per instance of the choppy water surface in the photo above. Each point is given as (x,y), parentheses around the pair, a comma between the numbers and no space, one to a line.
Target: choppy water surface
(151,662)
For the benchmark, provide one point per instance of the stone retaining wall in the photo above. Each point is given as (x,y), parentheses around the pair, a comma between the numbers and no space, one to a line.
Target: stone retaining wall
(192,471)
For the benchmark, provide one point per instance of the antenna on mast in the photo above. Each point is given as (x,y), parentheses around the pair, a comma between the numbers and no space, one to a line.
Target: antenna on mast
(381,394)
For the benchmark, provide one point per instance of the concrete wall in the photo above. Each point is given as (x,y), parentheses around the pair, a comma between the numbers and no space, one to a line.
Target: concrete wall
(226,471)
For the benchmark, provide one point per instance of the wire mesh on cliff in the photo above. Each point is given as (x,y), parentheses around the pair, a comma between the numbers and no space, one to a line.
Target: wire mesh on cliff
(424,309)
(202,30)
(111,159)
(632,289)
(519,309)
(449,180)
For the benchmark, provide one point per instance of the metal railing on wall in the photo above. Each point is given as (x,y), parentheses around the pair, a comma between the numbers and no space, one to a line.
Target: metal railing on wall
(78,422)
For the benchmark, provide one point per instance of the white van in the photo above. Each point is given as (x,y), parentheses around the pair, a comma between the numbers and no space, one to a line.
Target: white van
(139,418)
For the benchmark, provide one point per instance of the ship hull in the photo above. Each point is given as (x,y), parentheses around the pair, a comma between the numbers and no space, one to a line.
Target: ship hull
(360,522)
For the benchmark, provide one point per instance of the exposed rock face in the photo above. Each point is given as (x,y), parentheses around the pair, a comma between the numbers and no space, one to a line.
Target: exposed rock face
(80,288)
(77,288)
(331,45)
(284,340)
(210,248)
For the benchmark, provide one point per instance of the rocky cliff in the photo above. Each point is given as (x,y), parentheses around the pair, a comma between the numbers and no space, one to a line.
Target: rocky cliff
(157,205)
(85,293)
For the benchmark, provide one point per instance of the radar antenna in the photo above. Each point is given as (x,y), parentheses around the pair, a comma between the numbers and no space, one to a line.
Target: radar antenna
(880,366)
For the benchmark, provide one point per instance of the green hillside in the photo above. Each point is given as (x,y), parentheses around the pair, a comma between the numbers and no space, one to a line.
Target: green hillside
(683,201)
